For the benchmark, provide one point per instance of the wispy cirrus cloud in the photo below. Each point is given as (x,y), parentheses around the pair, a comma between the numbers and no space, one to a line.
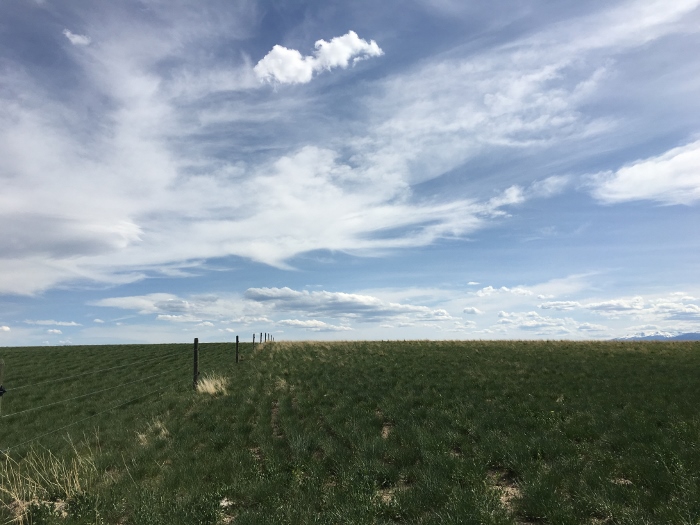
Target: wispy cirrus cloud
(670,178)
(75,39)
(51,322)
(153,167)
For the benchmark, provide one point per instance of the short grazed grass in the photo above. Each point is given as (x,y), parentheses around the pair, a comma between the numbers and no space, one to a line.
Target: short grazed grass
(364,432)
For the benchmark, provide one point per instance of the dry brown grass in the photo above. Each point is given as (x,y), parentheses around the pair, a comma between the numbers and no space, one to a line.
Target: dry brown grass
(154,430)
(212,385)
(40,476)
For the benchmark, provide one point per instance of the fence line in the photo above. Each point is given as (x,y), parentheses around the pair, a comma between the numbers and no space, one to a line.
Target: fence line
(5,451)
(166,357)
(83,395)
(97,371)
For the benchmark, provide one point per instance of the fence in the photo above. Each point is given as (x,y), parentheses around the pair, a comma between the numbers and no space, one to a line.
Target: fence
(171,360)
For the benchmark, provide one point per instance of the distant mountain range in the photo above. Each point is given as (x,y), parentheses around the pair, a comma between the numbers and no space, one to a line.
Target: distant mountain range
(660,336)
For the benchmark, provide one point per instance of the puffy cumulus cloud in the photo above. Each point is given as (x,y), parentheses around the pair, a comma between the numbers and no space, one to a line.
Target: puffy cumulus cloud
(4,328)
(677,311)
(490,290)
(617,305)
(592,327)
(200,309)
(288,66)
(532,321)
(313,325)
(143,304)
(471,310)
(548,326)
(75,39)
(341,305)
(670,178)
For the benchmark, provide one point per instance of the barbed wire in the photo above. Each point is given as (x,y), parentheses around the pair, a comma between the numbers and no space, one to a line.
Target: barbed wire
(84,395)
(13,389)
(5,451)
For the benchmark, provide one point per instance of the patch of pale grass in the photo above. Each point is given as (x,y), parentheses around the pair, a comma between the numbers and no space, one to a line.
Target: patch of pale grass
(154,430)
(212,385)
(42,478)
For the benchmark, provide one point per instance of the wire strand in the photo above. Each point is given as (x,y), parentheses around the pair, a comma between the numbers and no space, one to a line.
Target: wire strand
(95,371)
(83,395)
(5,451)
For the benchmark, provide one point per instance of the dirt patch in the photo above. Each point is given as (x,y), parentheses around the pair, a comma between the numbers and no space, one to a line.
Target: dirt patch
(456,452)
(387,496)
(387,426)
(225,505)
(503,480)
(257,454)
(274,421)
(386,430)
(622,482)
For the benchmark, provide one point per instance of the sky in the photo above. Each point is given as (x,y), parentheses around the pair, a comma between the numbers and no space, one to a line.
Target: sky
(422,169)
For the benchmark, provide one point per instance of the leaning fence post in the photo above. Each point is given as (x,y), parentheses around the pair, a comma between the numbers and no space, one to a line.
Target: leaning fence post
(236,349)
(195,379)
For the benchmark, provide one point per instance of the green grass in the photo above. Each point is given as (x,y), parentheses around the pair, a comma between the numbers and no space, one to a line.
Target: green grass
(366,432)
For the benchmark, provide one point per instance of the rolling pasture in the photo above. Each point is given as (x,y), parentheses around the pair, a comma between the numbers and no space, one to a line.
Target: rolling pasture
(353,432)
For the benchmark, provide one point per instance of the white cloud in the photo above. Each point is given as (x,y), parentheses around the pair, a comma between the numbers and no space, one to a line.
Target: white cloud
(98,321)
(670,178)
(288,66)
(53,331)
(51,322)
(678,311)
(75,39)
(153,170)
(560,305)
(472,310)
(4,328)
(206,323)
(341,305)
(490,290)
(314,325)
(617,305)
(592,327)
(473,283)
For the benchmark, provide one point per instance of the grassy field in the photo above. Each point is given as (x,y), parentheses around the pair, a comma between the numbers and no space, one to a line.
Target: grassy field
(365,432)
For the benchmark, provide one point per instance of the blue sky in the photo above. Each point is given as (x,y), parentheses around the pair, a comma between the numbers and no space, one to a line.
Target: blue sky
(433,169)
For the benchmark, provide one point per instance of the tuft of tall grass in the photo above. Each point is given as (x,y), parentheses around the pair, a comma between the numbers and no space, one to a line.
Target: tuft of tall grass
(43,483)
(212,384)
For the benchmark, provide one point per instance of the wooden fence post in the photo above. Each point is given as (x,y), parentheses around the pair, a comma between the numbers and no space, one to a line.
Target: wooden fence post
(236,349)
(2,376)
(260,337)
(195,379)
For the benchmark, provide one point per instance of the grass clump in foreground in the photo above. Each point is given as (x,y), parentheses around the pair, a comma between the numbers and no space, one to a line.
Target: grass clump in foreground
(370,432)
